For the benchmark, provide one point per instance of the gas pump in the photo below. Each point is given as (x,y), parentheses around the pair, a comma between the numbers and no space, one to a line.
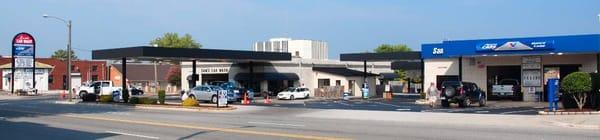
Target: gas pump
(552,88)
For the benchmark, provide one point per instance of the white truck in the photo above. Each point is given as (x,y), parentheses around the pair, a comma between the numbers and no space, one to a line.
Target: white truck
(507,88)
(98,88)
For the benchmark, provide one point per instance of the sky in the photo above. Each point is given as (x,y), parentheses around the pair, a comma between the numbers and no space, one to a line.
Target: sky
(348,26)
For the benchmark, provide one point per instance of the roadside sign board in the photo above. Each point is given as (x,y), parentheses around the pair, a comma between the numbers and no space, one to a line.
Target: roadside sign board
(23,57)
(222,98)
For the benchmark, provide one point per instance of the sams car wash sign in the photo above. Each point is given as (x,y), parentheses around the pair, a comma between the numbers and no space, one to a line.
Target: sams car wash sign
(515,46)
(23,59)
(23,51)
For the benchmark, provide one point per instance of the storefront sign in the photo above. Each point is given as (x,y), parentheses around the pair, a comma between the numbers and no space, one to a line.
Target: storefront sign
(438,51)
(515,46)
(531,71)
(23,50)
(214,70)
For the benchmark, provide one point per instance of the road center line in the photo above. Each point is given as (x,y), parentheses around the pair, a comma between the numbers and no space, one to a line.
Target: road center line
(281,124)
(135,135)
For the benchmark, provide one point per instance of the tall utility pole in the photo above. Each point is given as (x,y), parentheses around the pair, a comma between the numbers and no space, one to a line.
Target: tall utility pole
(68,54)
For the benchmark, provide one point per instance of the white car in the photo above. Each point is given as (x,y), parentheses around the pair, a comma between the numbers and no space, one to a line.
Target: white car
(294,93)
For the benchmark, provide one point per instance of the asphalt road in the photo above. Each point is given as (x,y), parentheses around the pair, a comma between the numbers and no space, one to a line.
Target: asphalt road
(42,118)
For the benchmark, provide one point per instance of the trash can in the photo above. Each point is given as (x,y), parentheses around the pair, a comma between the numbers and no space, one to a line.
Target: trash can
(552,88)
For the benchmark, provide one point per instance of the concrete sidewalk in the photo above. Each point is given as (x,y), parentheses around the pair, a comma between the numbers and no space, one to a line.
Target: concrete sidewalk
(574,121)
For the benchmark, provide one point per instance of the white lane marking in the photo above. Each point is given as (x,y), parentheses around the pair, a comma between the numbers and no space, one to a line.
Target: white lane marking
(519,111)
(280,124)
(387,104)
(135,135)
(2,118)
(482,111)
(403,109)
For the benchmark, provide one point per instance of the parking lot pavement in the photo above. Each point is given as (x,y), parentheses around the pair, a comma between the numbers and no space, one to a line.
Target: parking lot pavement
(407,104)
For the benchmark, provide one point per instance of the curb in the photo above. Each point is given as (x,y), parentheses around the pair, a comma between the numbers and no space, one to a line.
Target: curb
(569,113)
(154,107)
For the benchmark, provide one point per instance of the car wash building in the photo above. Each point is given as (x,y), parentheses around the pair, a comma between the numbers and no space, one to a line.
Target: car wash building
(529,61)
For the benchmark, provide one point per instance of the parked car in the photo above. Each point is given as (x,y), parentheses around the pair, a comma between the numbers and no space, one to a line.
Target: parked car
(463,93)
(135,90)
(294,93)
(205,93)
(508,88)
(98,88)
(234,92)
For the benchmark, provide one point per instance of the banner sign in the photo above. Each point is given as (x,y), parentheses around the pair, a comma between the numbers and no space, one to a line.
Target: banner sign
(515,46)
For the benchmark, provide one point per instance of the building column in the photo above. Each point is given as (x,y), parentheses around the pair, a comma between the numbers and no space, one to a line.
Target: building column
(124,76)
(251,78)
(460,67)
(194,77)
(423,75)
(598,63)
(364,77)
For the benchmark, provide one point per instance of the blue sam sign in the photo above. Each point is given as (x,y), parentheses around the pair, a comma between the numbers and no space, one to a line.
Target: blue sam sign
(515,46)
(23,50)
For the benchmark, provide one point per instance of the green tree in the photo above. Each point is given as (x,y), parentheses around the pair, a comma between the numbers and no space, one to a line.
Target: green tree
(578,84)
(174,75)
(172,40)
(62,54)
(388,48)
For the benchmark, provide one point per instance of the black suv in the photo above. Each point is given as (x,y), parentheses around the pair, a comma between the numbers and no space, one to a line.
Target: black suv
(463,93)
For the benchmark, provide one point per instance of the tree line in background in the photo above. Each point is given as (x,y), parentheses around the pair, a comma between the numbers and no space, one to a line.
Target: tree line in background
(391,48)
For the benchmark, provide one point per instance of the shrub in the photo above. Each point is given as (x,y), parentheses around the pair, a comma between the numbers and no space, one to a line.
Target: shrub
(147,100)
(161,96)
(89,97)
(577,84)
(134,100)
(105,98)
(189,102)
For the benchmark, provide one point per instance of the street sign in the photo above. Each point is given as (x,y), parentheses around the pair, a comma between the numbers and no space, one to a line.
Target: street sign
(222,98)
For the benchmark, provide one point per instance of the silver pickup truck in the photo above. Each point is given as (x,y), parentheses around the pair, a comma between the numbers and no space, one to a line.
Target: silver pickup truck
(507,88)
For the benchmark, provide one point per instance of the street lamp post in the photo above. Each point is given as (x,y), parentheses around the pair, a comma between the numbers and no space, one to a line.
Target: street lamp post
(68,22)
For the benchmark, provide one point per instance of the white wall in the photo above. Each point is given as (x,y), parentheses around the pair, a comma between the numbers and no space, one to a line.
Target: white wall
(435,67)
(41,80)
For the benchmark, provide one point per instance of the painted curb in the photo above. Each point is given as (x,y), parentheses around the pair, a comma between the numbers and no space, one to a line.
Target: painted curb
(569,113)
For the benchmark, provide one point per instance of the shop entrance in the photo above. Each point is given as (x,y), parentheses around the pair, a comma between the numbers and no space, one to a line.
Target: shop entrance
(209,78)
(557,71)
(440,79)
(499,75)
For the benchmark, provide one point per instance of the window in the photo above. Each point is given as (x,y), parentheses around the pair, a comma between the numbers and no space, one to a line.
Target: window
(297,54)
(94,77)
(338,82)
(94,68)
(50,79)
(323,83)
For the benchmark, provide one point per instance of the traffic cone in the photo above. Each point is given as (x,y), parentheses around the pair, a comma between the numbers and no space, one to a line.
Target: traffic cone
(245,101)
(268,100)
(63,95)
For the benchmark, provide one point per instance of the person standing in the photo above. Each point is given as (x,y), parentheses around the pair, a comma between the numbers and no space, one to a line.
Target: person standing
(432,94)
